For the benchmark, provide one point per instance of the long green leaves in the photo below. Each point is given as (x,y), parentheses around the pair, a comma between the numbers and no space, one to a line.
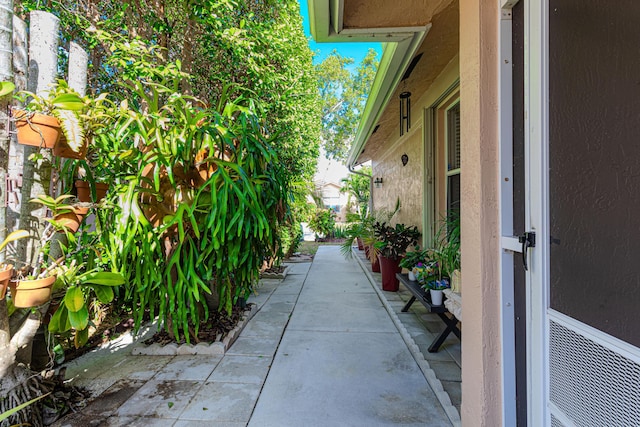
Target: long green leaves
(199,212)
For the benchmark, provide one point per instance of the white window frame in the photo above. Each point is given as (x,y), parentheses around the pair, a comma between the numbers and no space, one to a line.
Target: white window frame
(455,102)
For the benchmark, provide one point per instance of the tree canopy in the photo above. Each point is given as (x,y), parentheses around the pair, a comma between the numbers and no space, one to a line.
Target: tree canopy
(259,47)
(344,95)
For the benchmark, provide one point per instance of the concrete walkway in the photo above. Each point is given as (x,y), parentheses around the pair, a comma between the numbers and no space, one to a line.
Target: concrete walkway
(321,351)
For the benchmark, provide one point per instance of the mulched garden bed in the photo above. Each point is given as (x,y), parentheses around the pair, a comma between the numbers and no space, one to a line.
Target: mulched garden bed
(214,329)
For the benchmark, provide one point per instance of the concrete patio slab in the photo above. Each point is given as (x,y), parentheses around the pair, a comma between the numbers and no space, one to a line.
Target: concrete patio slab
(266,324)
(136,368)
(290,286)
(314,382)
(280,303)
(114,397)
(359,313)
(298,268)
(160,399)
(241,369)
(189,368)
(322,350)
(116,421)
(222,402)
(254,346)
(194,423)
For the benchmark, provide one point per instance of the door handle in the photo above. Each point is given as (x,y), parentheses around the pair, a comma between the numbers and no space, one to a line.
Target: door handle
(528,240)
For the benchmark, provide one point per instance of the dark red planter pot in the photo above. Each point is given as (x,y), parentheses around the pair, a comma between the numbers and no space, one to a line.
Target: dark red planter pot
(375,266)
(389,267)
(360,244)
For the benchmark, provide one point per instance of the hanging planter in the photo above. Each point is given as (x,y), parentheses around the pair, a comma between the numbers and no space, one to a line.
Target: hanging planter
(31,293)
(71,220)
(35,129)
(5,276)
(83,191)
(66,150)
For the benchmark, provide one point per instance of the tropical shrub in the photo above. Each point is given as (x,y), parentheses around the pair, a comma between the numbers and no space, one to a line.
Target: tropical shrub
(323,223)
(202,200)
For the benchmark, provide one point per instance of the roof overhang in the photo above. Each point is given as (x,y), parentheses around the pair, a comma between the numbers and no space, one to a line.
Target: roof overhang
(403,32)
(395,60)
(330,23)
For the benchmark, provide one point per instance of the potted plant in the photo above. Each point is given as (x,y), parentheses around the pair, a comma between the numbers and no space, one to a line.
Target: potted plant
(363,229)
(78,288)
(445,258)
(62,120)
(412,259)
(34,287)
(392,244)
(436,287)
(6,270)
(65,216)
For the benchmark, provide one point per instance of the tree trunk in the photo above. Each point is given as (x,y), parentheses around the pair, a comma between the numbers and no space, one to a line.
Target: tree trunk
(42,73)
(6,74)
(16,151)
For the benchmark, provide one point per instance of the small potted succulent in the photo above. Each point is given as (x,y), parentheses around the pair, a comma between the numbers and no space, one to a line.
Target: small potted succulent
(392,244)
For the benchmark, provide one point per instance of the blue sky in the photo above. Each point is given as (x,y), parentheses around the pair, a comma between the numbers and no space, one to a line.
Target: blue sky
(357,51)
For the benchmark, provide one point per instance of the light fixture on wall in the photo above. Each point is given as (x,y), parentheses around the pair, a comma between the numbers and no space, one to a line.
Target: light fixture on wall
(405,112)
(377,182)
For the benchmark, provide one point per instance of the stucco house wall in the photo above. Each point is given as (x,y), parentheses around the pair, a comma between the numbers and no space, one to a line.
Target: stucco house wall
(481,346)
(407,182)
(403,182)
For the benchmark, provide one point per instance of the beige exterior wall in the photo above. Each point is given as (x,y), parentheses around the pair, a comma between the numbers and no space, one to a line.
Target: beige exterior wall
(407,182)
(481,345)
(402,181)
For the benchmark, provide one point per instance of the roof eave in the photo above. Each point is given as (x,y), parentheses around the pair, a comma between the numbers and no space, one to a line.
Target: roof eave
(326,25)
(394,62)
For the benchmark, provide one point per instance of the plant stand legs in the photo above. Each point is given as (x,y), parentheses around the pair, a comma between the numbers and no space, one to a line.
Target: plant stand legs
(452,326)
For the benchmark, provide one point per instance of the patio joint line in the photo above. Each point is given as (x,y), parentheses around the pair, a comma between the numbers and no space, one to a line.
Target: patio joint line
(423,364)
(281,335)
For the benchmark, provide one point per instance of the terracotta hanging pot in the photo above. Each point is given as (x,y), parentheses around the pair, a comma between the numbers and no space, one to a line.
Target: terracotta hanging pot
(63,149)
(71,220)
(37,129)
(31,293)
(5,276)
(83,191)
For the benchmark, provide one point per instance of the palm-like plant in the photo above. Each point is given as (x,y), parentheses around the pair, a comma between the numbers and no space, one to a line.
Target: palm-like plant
(358,187)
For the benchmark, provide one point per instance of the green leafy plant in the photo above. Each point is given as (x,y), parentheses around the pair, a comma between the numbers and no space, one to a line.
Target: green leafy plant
(444,257)
(363,229)
(323,223)
(201,203)
(80,287)
(394,241)
(412,258)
